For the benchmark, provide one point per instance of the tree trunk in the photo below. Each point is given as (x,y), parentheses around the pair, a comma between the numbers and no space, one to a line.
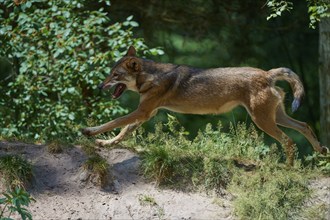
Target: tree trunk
(324,77)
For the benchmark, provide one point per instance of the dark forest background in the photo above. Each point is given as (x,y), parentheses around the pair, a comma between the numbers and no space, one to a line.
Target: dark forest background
(231,33)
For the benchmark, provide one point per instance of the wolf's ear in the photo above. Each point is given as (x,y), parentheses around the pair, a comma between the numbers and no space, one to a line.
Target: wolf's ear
(131,52)
(134,64)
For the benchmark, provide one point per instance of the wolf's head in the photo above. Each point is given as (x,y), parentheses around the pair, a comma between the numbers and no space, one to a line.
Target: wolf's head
(123,74)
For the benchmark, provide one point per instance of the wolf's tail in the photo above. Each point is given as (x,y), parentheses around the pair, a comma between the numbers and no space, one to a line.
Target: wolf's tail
(297,87)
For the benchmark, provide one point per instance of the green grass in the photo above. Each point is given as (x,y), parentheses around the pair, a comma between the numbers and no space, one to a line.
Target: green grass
(95,164)
(15,171)
(147,200)
(16,174)
(238,161)
(269,193)
(318,211)
(209,160)
(55,147)
(99,169)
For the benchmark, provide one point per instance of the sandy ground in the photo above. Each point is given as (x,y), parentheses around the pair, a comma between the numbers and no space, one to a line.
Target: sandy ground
(62,192)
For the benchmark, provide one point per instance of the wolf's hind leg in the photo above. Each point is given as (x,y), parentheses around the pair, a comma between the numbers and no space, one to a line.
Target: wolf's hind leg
(265,123)
(263,115)
(286,121)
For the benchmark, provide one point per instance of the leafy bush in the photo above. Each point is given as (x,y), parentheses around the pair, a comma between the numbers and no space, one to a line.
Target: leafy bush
(14,201)
(59,51)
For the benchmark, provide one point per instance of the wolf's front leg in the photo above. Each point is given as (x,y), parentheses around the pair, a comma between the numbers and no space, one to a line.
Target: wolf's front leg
(123,133)
(137,116)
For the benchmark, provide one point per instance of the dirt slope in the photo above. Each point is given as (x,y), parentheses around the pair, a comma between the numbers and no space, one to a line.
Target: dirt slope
(62,192)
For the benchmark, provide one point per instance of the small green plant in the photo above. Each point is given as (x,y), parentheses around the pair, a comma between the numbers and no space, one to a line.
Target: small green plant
(86,144)
(99,169)
(15,171)
(15,201)
(55,147)
(147,200)
(319,161)
(217,173)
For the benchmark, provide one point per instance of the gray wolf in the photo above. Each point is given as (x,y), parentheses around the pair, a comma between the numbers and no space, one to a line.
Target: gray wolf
(190,90)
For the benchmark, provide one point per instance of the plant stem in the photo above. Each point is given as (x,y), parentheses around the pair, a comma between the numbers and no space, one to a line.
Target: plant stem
(3,210)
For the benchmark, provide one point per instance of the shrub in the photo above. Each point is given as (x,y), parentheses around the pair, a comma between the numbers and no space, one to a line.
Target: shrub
(59,51)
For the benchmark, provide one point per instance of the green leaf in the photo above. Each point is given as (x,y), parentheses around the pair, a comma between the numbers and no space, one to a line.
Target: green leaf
(3,200)
(134,24)
(129,18)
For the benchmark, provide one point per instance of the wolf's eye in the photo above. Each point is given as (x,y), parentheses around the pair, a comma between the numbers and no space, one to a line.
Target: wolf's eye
(118,73)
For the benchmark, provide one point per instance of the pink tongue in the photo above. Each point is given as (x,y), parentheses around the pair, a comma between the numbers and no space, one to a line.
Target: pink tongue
(118,90)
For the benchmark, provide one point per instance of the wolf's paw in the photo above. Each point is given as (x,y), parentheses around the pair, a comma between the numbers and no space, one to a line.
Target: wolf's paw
(86,131)
(103,143)
(324,150)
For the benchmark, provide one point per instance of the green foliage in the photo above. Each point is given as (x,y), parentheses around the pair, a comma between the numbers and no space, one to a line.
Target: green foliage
(278,7)
(97,164)
(317,9)
(99,169)
(206,161)
(15,171)
(59,51)
(147,200)
(15,201)
(237,161)
(319,211)
(57,146)
(320,161)
(269,193)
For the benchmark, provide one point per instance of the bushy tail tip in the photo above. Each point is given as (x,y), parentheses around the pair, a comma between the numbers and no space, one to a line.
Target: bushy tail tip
(295,104)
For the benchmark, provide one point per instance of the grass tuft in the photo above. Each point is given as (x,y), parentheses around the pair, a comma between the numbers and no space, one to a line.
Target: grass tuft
(147,200)
(15,171)
(99,169)
(55,147)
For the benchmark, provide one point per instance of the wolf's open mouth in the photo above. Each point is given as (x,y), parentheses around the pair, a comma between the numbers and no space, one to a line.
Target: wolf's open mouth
(120,88)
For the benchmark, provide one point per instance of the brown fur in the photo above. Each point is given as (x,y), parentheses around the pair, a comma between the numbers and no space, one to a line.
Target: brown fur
(212,91)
